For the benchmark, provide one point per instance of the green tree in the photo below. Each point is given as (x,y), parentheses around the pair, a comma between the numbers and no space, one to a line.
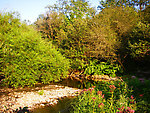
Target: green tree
(73,8)
(139,42)
(109,27)
(138,4)
(145,14)
(67,25)
(25,57)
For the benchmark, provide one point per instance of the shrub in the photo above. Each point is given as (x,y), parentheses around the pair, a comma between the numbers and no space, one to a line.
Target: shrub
(139,42)
(102,68)
(141,91)
(25,58)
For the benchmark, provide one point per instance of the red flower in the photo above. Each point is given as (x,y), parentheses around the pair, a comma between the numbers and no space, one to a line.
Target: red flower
(100,105)
(119,108)
(122,108)
(99,92)
(103,96)
(132,102)
(93,86)
(112,87)
(132,97)
(91,89)
(85,90)
(93,98)
(141,95)
(129,110)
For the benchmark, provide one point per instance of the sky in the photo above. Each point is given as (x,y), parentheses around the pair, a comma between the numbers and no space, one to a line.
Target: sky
(31,9)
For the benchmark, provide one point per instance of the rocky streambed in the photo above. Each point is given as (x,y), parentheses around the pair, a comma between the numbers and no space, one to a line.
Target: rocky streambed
(12,100)
(43,95)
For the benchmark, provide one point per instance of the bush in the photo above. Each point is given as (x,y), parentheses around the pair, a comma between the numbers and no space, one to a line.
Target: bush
(102,68)
(25,58)
(105,98)
(141,91)
(139,42)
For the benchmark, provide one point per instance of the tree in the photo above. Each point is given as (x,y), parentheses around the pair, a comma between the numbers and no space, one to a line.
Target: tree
(146,14)
(25,57)
(67,25)
(108,29)
(73,8)
(138,4)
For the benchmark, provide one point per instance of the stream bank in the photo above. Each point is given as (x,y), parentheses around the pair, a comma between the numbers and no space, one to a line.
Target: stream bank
(45,96)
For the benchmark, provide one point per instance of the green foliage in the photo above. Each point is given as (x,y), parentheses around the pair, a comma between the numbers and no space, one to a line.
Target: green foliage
(138,4)
(139,42)
(80,34)
(141,91)
(132,92)
(25,58)
(73,8)
(102,68)
(146,14)
(107,29)
(68,28)
(110,97)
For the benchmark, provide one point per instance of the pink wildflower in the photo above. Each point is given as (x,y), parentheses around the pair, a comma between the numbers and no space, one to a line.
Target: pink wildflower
(103,96)
(133,77)
(93,86)
(99,92)
(141,79)
(132,97)
(112,87)
(91,89)
(132,102)
(141,95)
(129,110)
(85,90)
(93,98)
(100,105)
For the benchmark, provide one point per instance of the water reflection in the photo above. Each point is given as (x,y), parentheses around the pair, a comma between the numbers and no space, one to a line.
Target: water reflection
(63,106)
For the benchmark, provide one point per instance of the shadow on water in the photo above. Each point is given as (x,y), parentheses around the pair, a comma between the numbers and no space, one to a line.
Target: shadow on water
(63,106)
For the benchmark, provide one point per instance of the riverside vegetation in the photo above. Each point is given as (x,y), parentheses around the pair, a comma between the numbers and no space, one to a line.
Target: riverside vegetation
(73,37)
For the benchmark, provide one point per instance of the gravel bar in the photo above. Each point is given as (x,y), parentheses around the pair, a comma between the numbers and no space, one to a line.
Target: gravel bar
(47,96)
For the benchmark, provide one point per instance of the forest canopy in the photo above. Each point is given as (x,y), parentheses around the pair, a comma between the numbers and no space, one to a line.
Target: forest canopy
(119,32)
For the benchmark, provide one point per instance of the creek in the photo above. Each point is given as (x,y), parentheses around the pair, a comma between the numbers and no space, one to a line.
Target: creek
(63,105)
(10,95)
